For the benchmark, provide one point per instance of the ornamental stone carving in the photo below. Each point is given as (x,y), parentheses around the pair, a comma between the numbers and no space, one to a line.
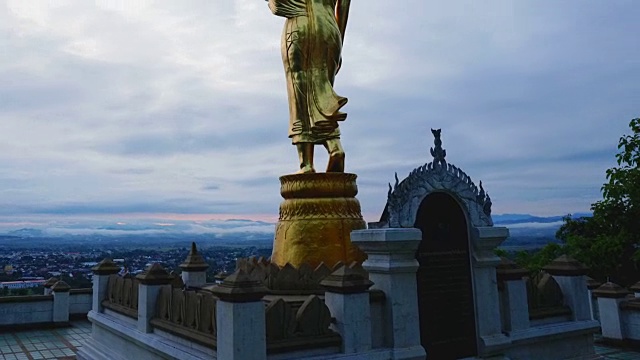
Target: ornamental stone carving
(287,278)
(405,197)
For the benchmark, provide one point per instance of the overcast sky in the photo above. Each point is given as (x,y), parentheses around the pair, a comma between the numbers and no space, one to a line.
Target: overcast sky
(179,107)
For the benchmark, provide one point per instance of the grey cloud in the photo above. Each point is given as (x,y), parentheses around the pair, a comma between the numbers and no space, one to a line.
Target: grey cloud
(179,141)
(193,206)
(260,181)
(133,171)
(532,98)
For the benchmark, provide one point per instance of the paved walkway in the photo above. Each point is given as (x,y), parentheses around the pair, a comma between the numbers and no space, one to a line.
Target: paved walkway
(62,343)
(608,352)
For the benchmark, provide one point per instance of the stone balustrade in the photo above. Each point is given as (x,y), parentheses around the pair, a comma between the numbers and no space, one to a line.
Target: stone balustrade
(331,313)
(619,312)
(187,314)
(283,279)
(292,324)
(162,306)
(513,298)
(122,295)
(56,307)
(545,300)
(593,284)
(550,307)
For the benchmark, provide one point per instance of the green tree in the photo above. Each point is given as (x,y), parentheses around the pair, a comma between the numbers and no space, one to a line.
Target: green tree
(535,261)
(20,292)
(609,241)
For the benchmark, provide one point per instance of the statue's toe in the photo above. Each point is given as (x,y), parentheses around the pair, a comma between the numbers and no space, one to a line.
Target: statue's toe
(339,116)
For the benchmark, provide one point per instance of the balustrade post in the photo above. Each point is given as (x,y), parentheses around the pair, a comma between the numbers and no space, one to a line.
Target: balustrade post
(484,241)
(610,296)
(636,289)
(593,284)
(392,267)
(60,291)
(571,277)
(348,301)
(240,318)
(100,279)
(150,282)
(514,295)
(194,269)
(48,284)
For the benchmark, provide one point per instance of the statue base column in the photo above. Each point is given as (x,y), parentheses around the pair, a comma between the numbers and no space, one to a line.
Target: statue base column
(317,216)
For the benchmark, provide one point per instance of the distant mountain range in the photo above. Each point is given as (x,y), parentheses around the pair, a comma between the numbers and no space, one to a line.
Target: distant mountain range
(148,228)
(511,219)
(519,224)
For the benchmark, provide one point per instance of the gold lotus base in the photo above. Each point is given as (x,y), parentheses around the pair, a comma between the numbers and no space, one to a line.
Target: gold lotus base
(317,216)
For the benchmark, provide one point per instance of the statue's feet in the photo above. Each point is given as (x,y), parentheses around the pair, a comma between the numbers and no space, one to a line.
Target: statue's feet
(306,170)
(336,155)
(336,161)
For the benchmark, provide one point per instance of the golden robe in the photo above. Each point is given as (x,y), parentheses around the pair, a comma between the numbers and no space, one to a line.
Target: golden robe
(311,53)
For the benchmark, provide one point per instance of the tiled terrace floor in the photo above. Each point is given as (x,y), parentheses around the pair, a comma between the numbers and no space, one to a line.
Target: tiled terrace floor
(63,343)
(616,353)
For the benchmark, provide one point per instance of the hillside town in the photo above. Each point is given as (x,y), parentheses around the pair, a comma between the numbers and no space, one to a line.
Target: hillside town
(25,270)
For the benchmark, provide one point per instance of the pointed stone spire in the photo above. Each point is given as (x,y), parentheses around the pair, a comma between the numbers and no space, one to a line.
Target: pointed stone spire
(508,270)
(566,266)
(194,261)
(346,280)
(592,283)
(154,275)
(611,290)
(60,286)
(239,288)
(51,282)
(48,284)
(106,267)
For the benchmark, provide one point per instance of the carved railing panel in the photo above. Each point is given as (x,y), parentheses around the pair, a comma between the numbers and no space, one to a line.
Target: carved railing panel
(289,278)
(313,318)
(177,301)
(291,323)
(632,304)
(545,298)
(292,326)
(281,324)
(188,314)
(176,282)
(122,295)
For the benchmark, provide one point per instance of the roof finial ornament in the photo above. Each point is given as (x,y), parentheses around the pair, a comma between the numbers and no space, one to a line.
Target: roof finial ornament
(438,152)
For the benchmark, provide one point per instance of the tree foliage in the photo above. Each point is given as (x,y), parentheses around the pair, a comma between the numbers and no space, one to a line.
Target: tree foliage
(535,261)
(609,241)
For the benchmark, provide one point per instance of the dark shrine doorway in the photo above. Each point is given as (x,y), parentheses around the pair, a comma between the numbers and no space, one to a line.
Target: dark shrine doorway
(445,295)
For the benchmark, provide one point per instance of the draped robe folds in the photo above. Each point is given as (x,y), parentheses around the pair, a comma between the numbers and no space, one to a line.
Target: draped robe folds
(311,53)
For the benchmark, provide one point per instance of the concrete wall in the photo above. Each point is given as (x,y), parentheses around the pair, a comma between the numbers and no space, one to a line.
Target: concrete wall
(630,323)
(80,301)
(21,310)
(38,309)
(377,324)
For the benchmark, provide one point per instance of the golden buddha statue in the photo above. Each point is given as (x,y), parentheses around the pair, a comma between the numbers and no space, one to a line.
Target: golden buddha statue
(319,210)
(311,52)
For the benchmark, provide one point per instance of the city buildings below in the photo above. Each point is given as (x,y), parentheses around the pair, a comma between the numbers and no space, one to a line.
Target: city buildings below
(22,284)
